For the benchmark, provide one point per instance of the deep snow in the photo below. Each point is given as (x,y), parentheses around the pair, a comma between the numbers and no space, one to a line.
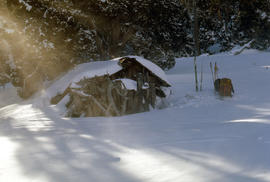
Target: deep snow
(200,137)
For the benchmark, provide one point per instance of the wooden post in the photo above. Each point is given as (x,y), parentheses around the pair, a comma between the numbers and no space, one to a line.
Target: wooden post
(152,94)
(140,93)
(147,96)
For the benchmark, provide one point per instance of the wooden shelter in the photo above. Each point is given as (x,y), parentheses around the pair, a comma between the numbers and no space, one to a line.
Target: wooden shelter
(133,88)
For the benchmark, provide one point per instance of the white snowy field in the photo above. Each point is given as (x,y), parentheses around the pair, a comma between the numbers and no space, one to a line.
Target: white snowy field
(198,138)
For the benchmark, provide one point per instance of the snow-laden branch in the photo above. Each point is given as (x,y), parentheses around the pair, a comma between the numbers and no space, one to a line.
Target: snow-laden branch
(28,6)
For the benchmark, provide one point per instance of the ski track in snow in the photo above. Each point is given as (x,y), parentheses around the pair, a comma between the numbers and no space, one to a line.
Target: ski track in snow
(199,137)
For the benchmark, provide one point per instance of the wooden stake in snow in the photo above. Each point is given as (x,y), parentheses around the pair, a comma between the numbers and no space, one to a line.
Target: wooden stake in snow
(216,71)
(211,68)
(196,74)
(201,81)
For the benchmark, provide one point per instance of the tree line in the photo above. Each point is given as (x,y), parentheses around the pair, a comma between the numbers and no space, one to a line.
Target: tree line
(61,34)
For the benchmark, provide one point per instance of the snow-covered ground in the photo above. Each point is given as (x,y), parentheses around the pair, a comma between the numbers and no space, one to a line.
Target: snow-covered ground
(198,138)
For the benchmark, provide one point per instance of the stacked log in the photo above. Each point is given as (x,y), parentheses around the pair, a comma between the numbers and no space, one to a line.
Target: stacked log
(101,96)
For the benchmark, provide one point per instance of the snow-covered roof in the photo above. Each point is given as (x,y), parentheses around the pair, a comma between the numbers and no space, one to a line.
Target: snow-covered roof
(85,70)
(156,70)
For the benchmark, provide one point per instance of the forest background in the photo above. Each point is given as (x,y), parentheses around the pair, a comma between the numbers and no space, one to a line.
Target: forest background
(41,39)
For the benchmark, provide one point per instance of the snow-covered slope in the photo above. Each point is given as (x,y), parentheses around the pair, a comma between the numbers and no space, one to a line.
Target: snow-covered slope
(200,137)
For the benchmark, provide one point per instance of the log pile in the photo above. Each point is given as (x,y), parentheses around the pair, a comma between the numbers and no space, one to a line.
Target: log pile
(101,96)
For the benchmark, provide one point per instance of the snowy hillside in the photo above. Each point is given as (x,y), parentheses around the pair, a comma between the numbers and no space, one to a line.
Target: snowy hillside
(198,138)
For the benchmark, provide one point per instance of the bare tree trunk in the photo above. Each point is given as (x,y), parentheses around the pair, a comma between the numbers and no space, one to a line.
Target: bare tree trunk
(196,42)
(196,29)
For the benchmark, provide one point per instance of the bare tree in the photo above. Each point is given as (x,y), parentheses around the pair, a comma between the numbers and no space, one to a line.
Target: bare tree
(196,42)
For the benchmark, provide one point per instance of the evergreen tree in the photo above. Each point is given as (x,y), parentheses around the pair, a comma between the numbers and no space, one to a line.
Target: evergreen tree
(56,35)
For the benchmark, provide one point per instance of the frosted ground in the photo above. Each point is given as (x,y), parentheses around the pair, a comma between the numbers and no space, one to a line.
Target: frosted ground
(198,138)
